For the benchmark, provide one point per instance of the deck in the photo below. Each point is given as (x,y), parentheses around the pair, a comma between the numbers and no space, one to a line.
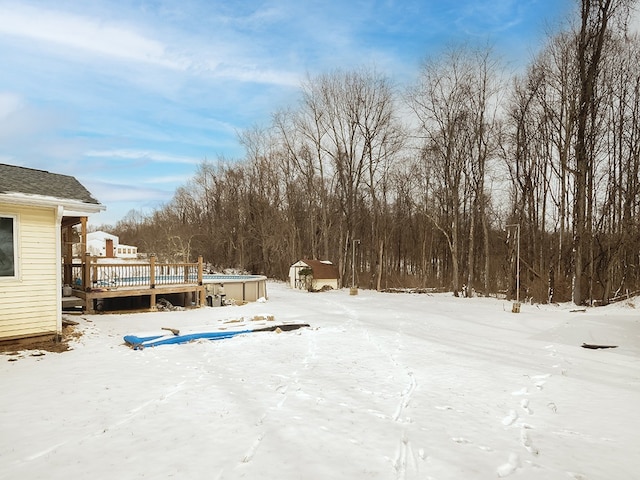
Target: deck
(137,285)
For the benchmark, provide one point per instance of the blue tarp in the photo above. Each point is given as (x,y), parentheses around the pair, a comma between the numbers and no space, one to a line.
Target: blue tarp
(152,341)
(140,341)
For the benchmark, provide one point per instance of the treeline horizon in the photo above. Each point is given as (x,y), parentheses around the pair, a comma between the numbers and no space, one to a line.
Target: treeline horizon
(429,186)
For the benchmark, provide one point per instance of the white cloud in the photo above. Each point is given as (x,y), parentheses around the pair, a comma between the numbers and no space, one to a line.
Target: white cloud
(120,198)
(152,156)
(221,54)
(112,192)
(168,179)
(20,120)
(84,33)
(9,103)
(258,75)
(481,17)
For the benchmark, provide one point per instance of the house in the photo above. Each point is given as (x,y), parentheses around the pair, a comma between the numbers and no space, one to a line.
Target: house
(313,275)
(37,212)
(103,244)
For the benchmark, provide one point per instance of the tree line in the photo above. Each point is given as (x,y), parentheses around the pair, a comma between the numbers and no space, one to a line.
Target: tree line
(449,183)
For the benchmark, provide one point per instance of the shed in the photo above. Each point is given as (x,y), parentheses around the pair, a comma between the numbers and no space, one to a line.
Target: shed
(37,209)
(323,274)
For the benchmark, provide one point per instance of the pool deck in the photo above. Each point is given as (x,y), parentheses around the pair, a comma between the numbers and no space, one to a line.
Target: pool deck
(93,281)
(91,298)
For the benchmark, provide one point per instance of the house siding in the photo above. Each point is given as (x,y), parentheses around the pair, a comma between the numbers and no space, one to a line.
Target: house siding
(29,302)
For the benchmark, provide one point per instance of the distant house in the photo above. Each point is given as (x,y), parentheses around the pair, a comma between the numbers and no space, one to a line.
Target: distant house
(37,212)
(103,244)
(313,275)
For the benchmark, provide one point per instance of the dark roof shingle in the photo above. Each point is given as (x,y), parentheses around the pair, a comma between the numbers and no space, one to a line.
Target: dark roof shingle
(322,270)
(14,179)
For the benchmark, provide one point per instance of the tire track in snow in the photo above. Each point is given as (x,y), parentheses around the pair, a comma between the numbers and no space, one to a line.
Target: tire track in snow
(252,450)
(404,452)
(134,412)
(403,458)
(283,388)
(405,398)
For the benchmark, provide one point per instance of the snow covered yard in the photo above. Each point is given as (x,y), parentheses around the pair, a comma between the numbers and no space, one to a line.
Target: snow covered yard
(386,386)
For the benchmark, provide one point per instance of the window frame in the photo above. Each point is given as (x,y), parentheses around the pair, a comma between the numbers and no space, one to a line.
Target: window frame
(14,240)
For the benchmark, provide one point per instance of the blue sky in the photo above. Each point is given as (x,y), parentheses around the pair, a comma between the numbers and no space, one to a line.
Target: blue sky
(130,96)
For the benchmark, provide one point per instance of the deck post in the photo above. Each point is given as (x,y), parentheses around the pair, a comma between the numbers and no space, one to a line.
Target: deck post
(93,261)
(152,301)
(202,299)
(88,305)
(67,235)
(152,273)
(83,236)
(86,274)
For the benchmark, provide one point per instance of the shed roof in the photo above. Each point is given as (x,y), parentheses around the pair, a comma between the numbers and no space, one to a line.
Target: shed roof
(29,181)
(322,269)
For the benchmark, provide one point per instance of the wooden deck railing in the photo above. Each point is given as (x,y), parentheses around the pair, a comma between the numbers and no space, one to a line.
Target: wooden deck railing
(91,275)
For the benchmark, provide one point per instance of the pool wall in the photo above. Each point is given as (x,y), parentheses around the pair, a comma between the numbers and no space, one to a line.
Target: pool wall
(238,289)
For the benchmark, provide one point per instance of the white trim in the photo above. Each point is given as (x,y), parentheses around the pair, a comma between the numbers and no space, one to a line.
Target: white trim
(16,245)
(59,215)
(71,207)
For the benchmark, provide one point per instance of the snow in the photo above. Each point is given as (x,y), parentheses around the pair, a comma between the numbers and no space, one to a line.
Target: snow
(381,386)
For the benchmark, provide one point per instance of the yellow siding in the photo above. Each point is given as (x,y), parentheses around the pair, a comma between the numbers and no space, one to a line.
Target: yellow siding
(29,303)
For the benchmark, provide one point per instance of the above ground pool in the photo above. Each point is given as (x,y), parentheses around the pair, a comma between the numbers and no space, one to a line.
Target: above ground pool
(233,289)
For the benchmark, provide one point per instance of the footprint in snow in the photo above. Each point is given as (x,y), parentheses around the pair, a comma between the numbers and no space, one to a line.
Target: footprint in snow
(252,450)
(524,403)
(509,419)
(540,380)
(511,466)
(527,443)
(577,476)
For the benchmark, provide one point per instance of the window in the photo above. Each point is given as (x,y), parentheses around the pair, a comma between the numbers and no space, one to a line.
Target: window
(7,247)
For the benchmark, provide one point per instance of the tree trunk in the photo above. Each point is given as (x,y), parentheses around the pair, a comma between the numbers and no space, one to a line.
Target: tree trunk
(380,267)
(595,15)
(471,257)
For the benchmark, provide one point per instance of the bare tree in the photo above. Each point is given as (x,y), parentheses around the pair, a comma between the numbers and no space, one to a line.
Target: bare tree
(456,105)
(347,120)
(595,18)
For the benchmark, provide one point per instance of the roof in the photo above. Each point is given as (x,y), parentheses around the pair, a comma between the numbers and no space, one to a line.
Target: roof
(322,269)
(28,181)
(100,235)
